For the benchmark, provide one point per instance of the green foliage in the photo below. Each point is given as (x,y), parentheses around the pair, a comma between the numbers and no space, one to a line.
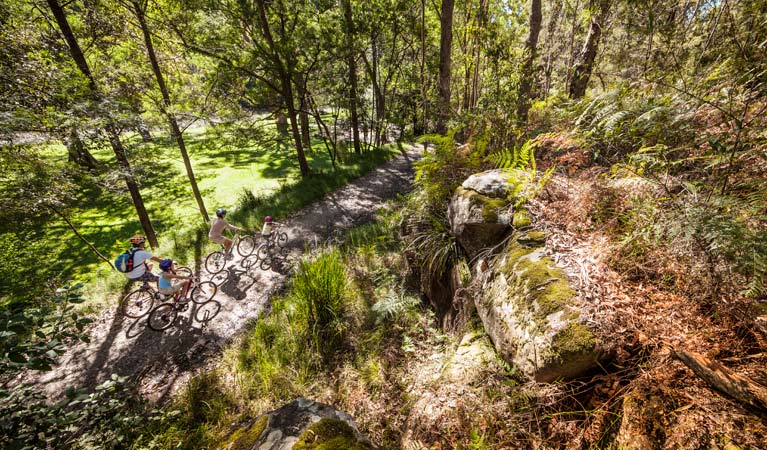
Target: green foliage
(444,166)
(392,305)
(34,337)
(517,158)
(109,418)
(320,289)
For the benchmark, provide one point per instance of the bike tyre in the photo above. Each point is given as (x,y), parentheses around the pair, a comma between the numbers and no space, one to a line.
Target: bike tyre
(282,239)
(162,317)
(184,271)
(246,246)
(207,311)
(203,292)
(265,263)
(215,262)
(137,304)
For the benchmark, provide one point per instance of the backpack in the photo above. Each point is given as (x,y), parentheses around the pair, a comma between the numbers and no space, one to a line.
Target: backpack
(124,261)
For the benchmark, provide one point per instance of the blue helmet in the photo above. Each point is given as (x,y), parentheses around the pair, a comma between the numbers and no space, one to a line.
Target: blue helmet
(165,264)
(220,212)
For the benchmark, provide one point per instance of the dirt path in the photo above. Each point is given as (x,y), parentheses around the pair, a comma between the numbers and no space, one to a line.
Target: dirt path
(162,361)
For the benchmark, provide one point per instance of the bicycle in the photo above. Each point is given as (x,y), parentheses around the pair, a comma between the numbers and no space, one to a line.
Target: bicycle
(201,293)
(275,242)
(216,261)
(138,303)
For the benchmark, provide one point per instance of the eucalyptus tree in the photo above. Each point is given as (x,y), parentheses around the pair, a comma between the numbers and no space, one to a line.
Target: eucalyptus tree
(110,126)
(351,61)
(598,11)
(445,63)
(139,8)
(527,75)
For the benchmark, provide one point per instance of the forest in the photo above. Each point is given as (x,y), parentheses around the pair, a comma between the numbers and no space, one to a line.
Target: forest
(492,224)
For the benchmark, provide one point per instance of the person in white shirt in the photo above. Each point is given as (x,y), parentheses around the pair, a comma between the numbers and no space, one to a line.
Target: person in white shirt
(141,270)
(217,228)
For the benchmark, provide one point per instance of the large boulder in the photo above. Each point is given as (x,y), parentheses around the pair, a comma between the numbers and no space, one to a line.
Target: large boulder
(529,310)
(482,208)
(301,424)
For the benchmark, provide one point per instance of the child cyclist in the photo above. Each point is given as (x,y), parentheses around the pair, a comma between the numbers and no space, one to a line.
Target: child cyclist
(165,284)
(217,227)
(266,230)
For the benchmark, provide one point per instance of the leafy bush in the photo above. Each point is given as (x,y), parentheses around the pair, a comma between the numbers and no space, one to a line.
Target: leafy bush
(109,418)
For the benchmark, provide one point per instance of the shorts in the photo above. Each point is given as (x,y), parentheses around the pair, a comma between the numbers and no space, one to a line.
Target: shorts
(217,239)
(146,276)
(172,290)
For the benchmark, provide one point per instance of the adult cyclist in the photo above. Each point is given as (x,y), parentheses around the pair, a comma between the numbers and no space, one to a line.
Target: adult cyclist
(141,270)
(217,228)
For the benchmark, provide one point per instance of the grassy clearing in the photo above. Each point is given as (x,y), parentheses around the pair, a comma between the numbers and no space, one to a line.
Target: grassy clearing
(233,170)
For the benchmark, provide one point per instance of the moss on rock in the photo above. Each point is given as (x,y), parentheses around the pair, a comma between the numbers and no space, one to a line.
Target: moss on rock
(330,434)
(573,339)
(246,437)
(521,219)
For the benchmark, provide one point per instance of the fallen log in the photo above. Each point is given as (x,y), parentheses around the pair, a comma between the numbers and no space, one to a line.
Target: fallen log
(720,377)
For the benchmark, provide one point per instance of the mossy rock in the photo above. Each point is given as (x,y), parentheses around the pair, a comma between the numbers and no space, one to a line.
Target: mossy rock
(530,310)
(330,434)
(245,437)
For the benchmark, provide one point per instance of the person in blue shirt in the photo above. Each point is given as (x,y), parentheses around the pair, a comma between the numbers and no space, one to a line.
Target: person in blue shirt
(165,284)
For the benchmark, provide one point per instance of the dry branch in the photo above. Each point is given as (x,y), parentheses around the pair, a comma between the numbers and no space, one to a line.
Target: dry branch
(714,373)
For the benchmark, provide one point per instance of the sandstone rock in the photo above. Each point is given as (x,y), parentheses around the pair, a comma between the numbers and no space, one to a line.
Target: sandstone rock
(301,424)
(481,209)
(456,388)
(529,310)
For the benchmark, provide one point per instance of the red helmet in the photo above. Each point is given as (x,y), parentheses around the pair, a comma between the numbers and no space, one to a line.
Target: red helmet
(268,219)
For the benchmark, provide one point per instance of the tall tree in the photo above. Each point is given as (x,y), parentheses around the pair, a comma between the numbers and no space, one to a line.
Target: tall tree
(351,61)
(445,49)
(110,127)
(140,10)
(585,62)
(527,75)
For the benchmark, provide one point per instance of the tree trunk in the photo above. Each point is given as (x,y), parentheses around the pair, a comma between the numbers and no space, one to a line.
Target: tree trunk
(286,88)
(351,62)
(303,111)
(113,135)
(527,75)
(445,48)
(78,153)
(585,62)
(175,131)
(420,126)
(143,130)
(281,120)
(548,66)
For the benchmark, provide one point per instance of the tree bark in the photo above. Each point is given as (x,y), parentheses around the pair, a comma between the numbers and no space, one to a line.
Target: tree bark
(110,128)
(175,131)
(445,48)
(527,75)
(303,111)
(286,87)
(585,62)
(720,377)
(351,62)
(78,154)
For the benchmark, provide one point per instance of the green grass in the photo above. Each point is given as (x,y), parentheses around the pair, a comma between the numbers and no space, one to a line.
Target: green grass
(234,169)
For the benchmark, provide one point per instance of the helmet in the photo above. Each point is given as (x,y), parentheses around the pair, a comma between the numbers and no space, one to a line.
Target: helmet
(268,219)
(137,239)
(220,212)
(165,264)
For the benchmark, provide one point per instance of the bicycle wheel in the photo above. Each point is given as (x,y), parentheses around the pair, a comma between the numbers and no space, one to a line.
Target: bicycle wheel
(203,292)
(206,311)
(282,239)
(137,303)
(184,271)
(262,252)
(215,262)
(265,263)
(246,246)
(162,317)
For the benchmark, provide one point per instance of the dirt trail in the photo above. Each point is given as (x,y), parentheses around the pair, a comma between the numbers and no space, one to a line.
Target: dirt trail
(162,361)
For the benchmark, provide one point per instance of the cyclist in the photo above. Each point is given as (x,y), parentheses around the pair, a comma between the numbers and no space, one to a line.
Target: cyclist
(266,230)
(165,284)
(217,227)
(141,270)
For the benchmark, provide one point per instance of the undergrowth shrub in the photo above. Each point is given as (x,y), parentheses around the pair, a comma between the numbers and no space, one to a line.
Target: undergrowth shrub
(320,288)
